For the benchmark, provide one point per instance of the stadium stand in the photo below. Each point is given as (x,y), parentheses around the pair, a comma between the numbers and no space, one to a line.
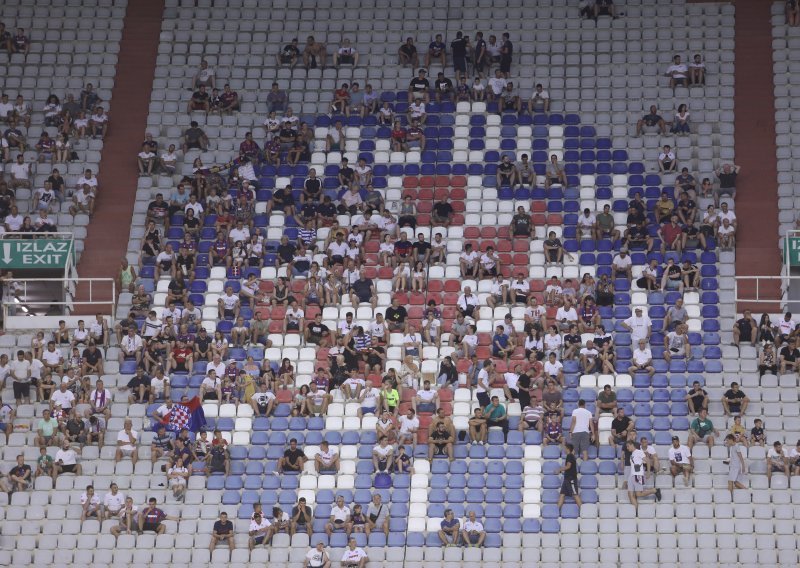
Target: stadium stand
(67,51)
(601,79)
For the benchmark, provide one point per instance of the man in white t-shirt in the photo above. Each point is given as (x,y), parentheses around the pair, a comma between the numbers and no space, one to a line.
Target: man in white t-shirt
(642,359)
(582,430)
(639,325)
(204,76)
(340,518)
(636,480)
(113,502)
(587,225)
(317,557)
(260,531)
(777,462)
(327,459)
(409,425)
(566,315)
(473,531)
(383,455)
(677,72)
(369,399)
(354,556)
(20,174)
(62,397)
(540,100)
(680,460)
(622,264)
(127,440)
(66,461)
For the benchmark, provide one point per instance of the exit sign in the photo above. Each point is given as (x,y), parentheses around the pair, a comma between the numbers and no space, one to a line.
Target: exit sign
(35,254)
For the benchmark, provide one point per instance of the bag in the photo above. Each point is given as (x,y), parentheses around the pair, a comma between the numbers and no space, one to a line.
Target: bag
(374,518)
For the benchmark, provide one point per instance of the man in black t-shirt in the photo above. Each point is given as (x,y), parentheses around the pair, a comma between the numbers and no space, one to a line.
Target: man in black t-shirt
(422,249)
(443,87)
(346,173)
(301,517)
(790,357)
(621,429)
(727,181)
(745,329)
(293,458)
(507,175)
(396,316)
(569,485)
(363,290)
(522,225)
(458,48)
(735,401)
(419,87)
(651,120)
(442,211)
(223,532)
(317,332)
(200,101)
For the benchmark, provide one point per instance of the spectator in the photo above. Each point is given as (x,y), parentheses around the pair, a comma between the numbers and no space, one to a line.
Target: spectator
(678,73)
(790,358)
(652,120)
(697,398)
(20,175)
(440,443)
(622,429)
(569,484)
(727,235)
(377,516)
(204,77)
(407,54)
(194,137)
(7,416)
(260,531)
(636,480)
(345,55)
(47,430)
(734,401)
(219,460)
(326,459)
(697,70)
(540,100)
(582,430)
(555,173)
(178,476)
(340,518)
(510,100)
(667,161)
(642,359)
(288,56)
(473,532)
(777,461)
(794,459)
(151,518)
(20,43)
(419,87)
(767,360)
(20,475)
(113,502)
(127,518)
(317,557)
(354,556)
(222,532)
(302,517)
(450,529)
(606,402)
(66,461)
(127,441)
(726,175)
(478,429)
(408,428)
(702,430)
(680,460)
(680,123)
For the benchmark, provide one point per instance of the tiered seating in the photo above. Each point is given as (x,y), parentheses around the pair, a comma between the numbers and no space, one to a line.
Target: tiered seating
(72,44)
(785,38)
(513,486)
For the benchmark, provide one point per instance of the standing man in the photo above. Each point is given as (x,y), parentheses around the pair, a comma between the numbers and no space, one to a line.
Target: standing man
(636,480)
(582,430)
(737,464)
(569,485)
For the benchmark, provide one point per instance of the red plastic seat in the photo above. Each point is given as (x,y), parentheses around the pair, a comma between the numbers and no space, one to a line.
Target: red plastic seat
(458,181)
(410,182)
(488,233)
(426,181)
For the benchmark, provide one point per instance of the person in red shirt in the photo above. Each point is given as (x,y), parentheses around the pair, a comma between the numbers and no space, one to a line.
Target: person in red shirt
(399,135)
(341,99)
(249,148)
(181,358)
(671,235)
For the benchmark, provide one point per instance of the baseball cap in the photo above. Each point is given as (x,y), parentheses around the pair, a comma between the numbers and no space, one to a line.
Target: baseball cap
(423,71)
(675,438)
(623,249)
(638,309)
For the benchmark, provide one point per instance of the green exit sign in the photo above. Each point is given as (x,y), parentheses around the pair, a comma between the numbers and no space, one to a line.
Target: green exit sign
(34,254)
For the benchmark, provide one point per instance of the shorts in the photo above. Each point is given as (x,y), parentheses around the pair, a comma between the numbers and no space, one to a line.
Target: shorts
(724,191)
(736,475)
(293,326)
(151,527)
(259,539)
(346,59)
(580,440)
(505,65)
(491,271)
(228,313)
(426,407)
(474,538)
(777,468)
(190,145)
(368,410)
(532,424)
(569,487)
(286,58)
(22,390)
(679,80)
(68,468)
(460,64)
(636,483)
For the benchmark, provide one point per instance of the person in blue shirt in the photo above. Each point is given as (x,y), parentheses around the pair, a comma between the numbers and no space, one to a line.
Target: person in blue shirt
(450,529)
(502,345)
(436,50)
(496,415)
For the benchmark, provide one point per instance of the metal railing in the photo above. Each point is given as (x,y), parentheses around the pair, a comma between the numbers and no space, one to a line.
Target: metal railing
(18,304)
(761,289)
